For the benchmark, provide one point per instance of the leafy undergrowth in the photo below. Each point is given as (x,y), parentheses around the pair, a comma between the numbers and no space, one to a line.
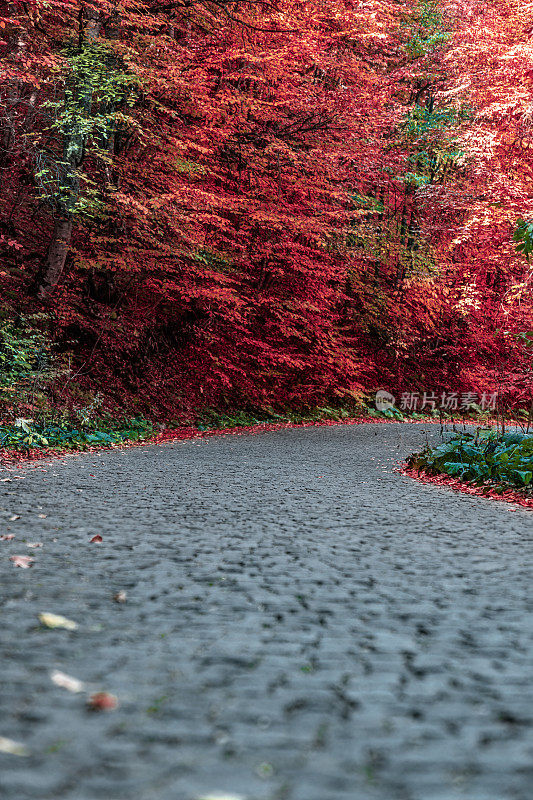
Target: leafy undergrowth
(485,462)
(24,435)
(82,430)
(26,441)
(122,438)
(212,419)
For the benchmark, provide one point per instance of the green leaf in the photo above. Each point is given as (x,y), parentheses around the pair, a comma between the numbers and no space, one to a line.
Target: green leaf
(524,477)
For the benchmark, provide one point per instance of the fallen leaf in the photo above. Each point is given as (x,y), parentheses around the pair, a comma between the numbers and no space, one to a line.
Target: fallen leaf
(66,681)
(6,480)
(97,539)
(41,516)
(22,561)
(34,544)
(7,537)
(57,621)
(120,597)
(13,748)
(102,701)
(13,517)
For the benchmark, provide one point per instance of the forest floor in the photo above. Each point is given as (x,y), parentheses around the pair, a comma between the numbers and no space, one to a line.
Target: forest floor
(298,621)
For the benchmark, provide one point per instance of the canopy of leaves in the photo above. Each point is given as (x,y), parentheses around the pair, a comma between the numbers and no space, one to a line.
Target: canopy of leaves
(270,202)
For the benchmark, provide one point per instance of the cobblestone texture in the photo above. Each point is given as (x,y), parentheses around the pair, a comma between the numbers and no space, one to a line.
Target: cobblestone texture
(301,623)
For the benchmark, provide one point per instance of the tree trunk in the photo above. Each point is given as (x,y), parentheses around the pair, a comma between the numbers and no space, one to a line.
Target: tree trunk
(73,149)
(56,256)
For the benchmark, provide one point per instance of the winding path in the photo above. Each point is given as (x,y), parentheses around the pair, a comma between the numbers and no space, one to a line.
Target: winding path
(301,623)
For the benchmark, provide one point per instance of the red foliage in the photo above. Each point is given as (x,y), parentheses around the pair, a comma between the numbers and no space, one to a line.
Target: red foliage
(245,233)
(102,701)
(508,496)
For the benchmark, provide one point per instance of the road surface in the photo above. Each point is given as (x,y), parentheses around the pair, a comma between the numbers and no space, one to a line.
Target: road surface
(301,623)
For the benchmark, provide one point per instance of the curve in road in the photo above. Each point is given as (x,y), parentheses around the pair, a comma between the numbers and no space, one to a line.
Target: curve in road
(302,623)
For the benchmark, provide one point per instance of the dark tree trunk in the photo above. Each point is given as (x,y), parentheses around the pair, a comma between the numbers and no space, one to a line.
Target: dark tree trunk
(56,256)
(73,150)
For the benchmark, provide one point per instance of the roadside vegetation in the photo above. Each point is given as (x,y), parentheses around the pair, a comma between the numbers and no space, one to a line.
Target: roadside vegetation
(42,406)
(46,405)
(491,458)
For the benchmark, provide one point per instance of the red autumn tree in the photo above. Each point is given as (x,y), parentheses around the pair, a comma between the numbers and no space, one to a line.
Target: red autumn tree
(252,202)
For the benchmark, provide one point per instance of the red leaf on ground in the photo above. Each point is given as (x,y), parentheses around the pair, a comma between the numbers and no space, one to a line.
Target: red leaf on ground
(7,537)
(509,496)
(22,561)
(102,701)
(97,539)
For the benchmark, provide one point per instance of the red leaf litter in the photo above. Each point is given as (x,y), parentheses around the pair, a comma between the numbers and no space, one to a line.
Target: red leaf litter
(102,701)
(97,539)
(508,496)
(11,457)
(22,561)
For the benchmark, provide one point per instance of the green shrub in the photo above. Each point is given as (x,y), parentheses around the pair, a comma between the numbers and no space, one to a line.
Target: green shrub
(484,457)
(71,434)
(24,354)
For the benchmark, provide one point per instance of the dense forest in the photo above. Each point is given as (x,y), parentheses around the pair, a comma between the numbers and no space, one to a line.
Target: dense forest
(268,203)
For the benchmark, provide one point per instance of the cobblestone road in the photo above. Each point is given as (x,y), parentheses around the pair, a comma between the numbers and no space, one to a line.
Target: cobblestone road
(301,623)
